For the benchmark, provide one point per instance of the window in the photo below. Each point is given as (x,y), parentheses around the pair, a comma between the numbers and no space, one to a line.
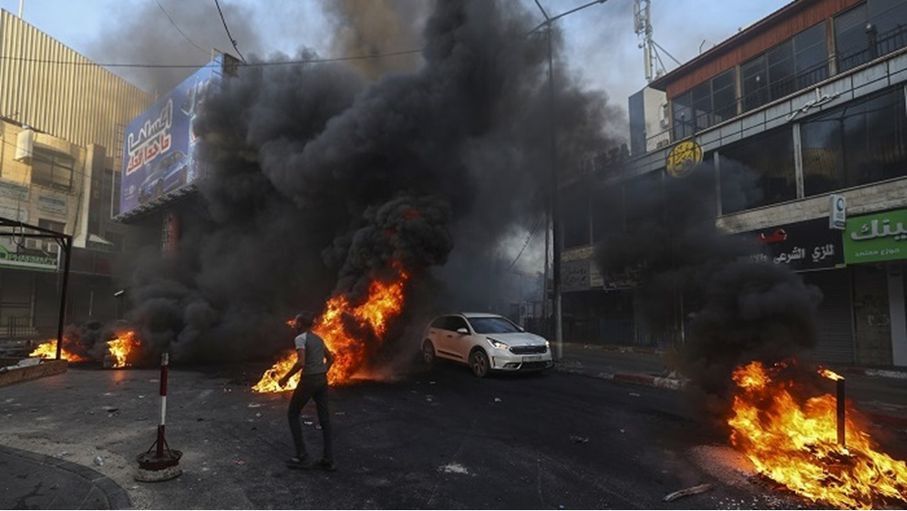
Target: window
(52,169)
(858,143)
(871,29)
(705,105)
(454,323)
(51,225)
(754,78)
(682,115)
(757,171)
(493,326)
(811,56)
(786,68)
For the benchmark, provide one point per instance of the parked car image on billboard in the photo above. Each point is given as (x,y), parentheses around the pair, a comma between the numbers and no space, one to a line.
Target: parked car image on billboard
(159,151)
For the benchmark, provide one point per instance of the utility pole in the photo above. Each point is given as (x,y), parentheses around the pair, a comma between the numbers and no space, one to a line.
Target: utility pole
(553,201)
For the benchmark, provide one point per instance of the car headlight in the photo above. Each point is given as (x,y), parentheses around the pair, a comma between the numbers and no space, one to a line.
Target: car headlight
(498,344)
(547,345)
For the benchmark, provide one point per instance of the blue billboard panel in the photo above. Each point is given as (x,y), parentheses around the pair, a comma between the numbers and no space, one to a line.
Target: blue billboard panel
(159,154)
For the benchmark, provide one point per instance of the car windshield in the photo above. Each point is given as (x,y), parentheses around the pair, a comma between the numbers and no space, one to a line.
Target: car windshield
(493,326)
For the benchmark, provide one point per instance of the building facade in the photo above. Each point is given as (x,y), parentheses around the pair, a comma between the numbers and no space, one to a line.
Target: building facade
(59,115)
(806,103)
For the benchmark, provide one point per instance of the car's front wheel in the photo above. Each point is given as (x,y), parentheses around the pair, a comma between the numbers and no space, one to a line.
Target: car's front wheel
(478,362)
(428,353)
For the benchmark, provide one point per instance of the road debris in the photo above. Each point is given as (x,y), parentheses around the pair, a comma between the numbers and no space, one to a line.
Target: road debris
(453,468)
(686,492)
(254,405)
(99,461)
(579,439)
(497,400)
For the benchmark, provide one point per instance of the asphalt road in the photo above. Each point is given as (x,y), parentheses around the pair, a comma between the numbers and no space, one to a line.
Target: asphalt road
(442,439)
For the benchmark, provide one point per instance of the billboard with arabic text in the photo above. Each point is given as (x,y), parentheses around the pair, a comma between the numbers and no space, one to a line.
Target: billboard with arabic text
(159,151)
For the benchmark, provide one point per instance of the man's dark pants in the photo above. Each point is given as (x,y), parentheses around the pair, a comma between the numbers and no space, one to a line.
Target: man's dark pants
(311,386)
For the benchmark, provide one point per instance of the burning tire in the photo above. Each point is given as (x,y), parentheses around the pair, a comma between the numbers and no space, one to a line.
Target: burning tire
(428,353)
(478,362)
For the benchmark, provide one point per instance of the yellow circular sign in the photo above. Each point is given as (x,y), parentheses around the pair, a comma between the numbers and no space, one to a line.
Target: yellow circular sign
(683,158)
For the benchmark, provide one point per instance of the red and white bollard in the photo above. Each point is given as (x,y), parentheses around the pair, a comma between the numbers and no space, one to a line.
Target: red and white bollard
(160,462)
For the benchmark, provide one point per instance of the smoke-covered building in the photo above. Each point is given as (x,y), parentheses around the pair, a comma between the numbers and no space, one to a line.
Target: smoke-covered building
(806,103)
(61,118)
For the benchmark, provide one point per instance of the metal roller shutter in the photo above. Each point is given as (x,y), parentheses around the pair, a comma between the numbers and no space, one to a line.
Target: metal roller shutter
(834,319)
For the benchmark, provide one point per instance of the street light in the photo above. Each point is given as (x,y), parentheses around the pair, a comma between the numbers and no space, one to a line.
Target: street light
(553,206)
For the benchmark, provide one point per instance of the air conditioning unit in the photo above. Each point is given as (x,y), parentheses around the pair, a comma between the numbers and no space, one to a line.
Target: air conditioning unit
(663,118)
(51,247)
(25,145)
(32,244)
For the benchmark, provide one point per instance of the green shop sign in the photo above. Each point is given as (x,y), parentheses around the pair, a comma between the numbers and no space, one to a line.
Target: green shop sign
(877,237)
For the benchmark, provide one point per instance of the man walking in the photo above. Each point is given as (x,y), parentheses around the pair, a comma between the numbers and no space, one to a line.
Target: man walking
(314,359)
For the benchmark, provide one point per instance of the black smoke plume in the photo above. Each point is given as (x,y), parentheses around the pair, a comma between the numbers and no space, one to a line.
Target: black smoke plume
(319,181)
(696,279)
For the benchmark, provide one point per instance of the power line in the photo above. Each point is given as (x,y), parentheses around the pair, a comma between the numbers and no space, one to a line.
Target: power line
(315,60)
(529,237)
(232,41)
(178,29)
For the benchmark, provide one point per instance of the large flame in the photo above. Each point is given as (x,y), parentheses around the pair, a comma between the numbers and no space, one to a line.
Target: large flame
(796,444)
(345,328)
(122,349)
(48,350)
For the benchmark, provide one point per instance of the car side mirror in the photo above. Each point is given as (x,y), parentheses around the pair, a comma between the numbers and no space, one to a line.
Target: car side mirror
(521,329)
(462,331)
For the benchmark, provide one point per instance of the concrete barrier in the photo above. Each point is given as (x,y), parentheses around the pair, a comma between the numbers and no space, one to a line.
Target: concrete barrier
(10,375)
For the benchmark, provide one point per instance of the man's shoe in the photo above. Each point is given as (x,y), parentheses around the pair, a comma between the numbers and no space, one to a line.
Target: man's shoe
(327,465)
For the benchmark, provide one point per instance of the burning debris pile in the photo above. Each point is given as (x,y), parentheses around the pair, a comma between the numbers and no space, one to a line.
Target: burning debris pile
(352,332)
(121,349)
(48,350)
(330,191)
(794,442)
(744,324)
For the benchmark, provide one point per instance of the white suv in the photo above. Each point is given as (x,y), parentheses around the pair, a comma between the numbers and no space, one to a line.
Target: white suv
(485,342)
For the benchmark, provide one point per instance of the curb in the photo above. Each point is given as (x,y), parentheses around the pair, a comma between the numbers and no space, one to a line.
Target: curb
(877,373)
(617,347)
(649,380)
(116,496)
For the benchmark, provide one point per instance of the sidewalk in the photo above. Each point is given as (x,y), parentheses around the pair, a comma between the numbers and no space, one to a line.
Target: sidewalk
(35,481)
(881,394)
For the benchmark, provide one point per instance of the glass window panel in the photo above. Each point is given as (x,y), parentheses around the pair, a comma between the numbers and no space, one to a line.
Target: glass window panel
(860,143)
(758,171)
(851,38)
(682,113)
(755,90)
(702,105)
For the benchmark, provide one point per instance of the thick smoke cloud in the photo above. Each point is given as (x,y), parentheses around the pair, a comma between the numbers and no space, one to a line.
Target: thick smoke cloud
(142,33)
(692,277)
(376,27)
(319,181)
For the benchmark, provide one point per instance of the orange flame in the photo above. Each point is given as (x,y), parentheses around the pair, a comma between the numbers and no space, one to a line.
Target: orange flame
(831,375)
(344,328)
(120,349)
(796,445)
(48,350)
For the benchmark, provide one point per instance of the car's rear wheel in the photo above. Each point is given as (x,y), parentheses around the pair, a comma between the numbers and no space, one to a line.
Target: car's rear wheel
(428,353)
(478,362)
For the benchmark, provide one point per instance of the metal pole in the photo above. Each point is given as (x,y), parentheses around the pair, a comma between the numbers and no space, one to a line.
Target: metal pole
(842,411)
(21,8)
(555,218)
(66,244)
(545,324)
(165,363)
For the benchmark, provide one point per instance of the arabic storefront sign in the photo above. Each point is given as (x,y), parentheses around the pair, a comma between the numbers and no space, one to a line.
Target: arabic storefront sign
(11,255)
(876,237)
(683,158)
(808,245)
